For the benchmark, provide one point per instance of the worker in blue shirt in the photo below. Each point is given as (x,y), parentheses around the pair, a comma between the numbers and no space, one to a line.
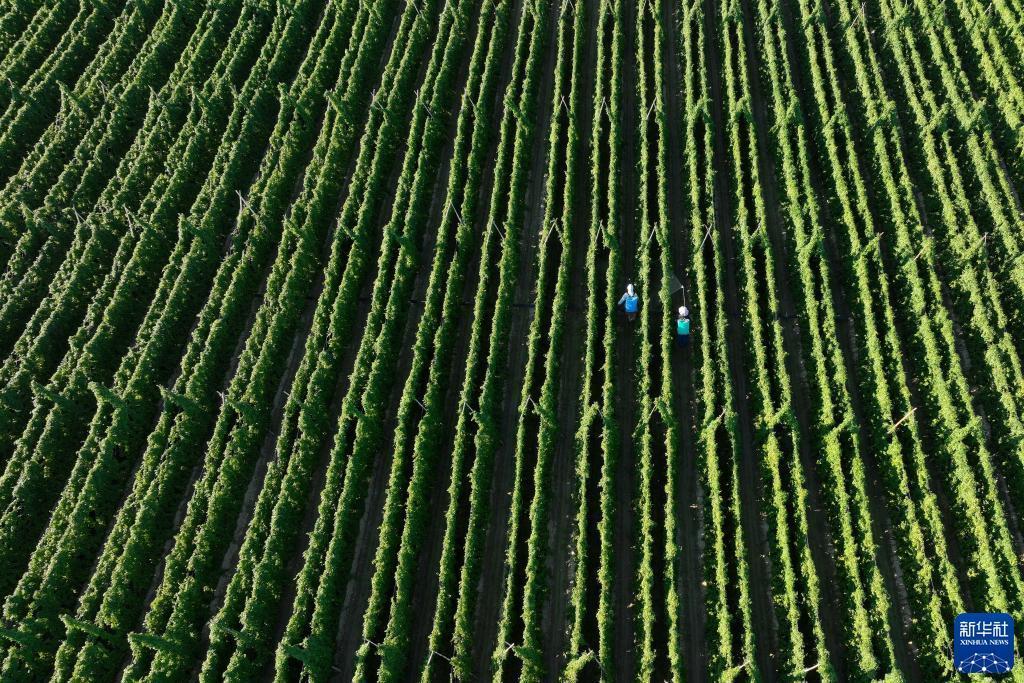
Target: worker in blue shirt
(630,302)
(683,328)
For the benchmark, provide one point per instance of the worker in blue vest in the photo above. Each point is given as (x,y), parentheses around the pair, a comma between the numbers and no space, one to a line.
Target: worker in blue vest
(630,302)
(683,328)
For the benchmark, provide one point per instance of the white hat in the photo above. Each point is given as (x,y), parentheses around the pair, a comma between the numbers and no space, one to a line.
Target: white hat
(684,312)
(629,288)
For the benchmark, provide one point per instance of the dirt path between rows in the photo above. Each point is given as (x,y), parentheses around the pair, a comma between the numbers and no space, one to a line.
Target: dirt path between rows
(268,446)
(230,558)
(819,539)
(882,525)
(555,624)
(624,582)
(424,593)
(688,509)
(363,568)
(752,523)
(492,578)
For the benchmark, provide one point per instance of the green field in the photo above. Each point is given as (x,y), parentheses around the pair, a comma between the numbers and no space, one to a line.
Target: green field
(312,364)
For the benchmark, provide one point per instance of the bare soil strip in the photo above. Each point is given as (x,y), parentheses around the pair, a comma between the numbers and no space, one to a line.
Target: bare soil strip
(492,578)
(688,510)
(754,526)
(424,593)
(820,541)
(626,355)
(559,561)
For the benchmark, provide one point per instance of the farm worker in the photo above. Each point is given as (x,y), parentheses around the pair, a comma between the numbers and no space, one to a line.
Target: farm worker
(683,328)
(630,302)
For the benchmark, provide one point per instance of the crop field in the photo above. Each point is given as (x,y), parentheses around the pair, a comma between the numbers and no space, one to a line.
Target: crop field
(312,363)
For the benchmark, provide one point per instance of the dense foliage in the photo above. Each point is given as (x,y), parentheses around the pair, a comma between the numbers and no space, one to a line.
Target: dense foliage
(313,364)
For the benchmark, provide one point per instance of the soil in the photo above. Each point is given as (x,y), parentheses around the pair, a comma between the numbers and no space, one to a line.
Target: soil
(689,506)
(492,581)
(248,506)
(626,356)
(555,624)
(358,595)
(753,523)
(424,591)
(882,525)
(821,544)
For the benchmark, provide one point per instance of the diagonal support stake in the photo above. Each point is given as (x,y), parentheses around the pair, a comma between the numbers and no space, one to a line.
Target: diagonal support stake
(706,235)
(903,419)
